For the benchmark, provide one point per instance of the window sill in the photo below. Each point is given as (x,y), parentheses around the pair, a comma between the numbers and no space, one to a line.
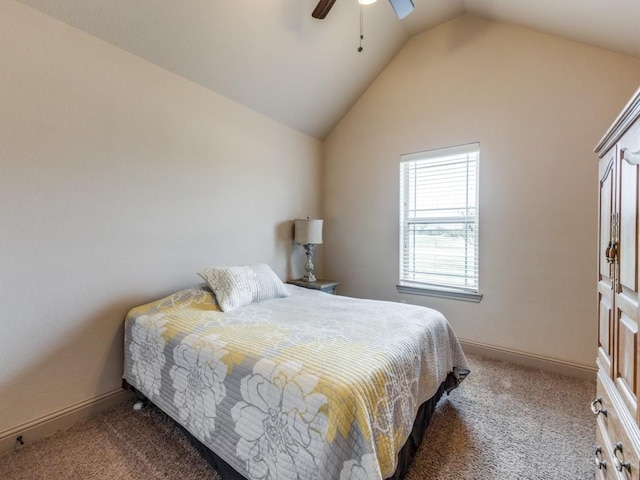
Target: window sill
(440,292)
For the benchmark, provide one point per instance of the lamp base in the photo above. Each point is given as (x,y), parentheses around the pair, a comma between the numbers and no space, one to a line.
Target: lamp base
(309,277)
(308,266)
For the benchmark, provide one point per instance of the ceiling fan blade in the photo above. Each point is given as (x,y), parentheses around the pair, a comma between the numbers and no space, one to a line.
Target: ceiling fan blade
(323,8)
(401,7)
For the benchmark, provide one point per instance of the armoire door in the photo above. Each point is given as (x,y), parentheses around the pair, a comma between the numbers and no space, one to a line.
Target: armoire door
(606,211)
(626,317)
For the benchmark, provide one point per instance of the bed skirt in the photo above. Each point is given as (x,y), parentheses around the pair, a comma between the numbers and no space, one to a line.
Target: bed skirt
(405,456)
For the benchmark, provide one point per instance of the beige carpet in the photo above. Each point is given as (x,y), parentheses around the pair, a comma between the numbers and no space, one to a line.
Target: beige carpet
(504,422)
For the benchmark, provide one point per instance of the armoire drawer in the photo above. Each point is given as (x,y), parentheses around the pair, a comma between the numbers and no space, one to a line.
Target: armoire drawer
(602,407)
(613,433)
(605,470)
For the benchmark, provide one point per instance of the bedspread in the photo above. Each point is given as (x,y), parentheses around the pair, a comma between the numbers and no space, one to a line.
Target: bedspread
(312,386)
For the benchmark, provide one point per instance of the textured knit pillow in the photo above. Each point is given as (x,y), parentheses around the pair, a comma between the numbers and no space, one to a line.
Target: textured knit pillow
(242,285)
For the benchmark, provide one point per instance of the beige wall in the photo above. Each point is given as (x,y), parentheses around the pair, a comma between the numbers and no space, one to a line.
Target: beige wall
(537,104)
(118,182)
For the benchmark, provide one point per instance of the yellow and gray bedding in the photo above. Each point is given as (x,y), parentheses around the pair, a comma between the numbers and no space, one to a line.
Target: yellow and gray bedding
(310,386)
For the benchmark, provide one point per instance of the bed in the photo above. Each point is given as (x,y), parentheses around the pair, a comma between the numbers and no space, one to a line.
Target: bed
(304,386)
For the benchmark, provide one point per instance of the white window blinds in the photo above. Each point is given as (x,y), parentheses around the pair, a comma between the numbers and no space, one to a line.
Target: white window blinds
(439,218)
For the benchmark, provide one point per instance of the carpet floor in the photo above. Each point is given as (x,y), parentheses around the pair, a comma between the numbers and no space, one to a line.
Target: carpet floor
(503,422)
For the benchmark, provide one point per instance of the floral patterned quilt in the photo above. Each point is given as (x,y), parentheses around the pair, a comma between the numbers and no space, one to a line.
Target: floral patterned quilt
(311,386)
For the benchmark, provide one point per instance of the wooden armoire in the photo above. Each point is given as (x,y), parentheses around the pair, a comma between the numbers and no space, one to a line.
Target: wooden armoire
(617,450)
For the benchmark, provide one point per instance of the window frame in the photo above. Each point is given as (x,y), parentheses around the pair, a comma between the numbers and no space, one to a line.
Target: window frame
(434,289)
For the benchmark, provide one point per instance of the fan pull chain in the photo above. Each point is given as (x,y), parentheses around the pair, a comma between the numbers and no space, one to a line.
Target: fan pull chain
(361,28)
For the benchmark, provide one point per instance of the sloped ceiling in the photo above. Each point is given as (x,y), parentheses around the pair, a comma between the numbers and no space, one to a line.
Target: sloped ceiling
(273,57)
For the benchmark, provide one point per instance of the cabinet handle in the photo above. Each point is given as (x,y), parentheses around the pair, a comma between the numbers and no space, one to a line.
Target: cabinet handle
(600,463)
(620,463)
(611,253)
(597,411)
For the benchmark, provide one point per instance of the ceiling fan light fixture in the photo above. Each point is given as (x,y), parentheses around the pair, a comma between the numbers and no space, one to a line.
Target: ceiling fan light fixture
(366,2)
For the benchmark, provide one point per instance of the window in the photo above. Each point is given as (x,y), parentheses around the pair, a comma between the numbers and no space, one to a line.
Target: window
(439,222)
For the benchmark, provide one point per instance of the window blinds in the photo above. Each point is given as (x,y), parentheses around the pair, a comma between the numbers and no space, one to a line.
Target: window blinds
(439,218)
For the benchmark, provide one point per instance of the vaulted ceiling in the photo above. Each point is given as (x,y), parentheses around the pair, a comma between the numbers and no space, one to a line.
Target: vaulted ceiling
(273,57)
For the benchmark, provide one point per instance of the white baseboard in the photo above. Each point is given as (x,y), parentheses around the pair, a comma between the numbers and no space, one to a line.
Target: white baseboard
(64,418)
(563,367)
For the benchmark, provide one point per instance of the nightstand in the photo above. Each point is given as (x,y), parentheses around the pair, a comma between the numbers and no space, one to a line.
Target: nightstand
(322,285)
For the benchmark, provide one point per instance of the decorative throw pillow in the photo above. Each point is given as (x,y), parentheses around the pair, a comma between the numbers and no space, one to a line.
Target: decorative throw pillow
(242,285)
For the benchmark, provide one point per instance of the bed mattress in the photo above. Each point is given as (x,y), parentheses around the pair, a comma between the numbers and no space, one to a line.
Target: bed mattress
(311,386)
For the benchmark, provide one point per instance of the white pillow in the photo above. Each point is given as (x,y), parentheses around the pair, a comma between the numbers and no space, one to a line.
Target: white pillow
(242,285)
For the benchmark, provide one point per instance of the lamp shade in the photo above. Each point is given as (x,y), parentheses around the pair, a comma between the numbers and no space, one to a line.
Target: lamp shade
(308,231)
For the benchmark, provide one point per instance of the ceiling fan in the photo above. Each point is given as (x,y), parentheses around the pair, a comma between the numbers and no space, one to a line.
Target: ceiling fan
(401,7)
